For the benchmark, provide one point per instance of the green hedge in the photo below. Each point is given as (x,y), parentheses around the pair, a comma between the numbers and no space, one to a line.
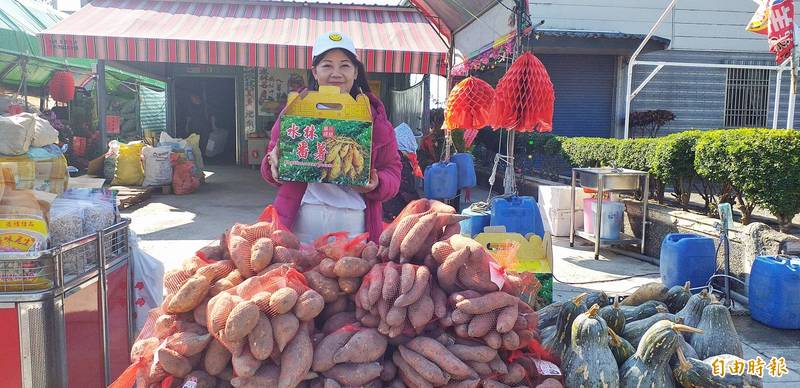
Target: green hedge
(746,167)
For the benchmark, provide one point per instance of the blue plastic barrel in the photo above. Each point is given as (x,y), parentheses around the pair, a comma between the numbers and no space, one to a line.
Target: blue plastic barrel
(441,180)
(466,170)
(518,215)
(687,257)
(475,223)
(774,291)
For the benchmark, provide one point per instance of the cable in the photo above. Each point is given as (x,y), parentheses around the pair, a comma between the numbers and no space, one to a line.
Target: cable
(610,280)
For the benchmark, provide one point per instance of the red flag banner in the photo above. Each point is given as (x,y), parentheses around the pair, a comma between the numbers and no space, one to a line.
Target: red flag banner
(781,26)
(760,20)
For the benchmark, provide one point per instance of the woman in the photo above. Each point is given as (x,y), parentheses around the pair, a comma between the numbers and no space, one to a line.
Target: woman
(312,210)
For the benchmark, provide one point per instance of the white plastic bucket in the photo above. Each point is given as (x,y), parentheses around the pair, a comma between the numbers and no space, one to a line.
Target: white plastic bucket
(611,222)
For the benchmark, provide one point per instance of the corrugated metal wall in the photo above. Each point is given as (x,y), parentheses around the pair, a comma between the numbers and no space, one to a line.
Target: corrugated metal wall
(584,88)
(697,95)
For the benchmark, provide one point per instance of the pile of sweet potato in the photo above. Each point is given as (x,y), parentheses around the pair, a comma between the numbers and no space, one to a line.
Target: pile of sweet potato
(420,308)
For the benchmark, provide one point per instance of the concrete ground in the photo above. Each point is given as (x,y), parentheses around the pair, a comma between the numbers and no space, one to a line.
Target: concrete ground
(173,227)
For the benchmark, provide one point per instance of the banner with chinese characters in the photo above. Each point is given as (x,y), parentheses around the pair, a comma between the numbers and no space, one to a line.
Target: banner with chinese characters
(326,137)
(249,78)
(781,29)
(274,86)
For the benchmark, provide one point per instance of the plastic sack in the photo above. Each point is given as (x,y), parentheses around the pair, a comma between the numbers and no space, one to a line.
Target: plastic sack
(217,140)
(66,221)
(110,161)
(194,142)
(184,178)
(43,133)
(16,134)
(50,169)
(341,245)
(157,166)
(99,207)
(23,221)
(148,286)
(129,171)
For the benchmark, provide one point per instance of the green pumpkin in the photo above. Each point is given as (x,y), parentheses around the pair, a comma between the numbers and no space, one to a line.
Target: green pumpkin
(644,310)
(548,315)
(613,316)
(719,335)
(599,298)
(693,373)
(693,311)
(634,331)
(649,367)
(590,362)
(687,350)
(678,296)
(558,343)
(620,347)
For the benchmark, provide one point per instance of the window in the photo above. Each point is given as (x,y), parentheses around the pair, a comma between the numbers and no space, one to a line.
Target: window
(746,98)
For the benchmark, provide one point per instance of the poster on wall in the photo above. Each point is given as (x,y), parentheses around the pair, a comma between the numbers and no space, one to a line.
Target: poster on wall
(274,85)
(250,80)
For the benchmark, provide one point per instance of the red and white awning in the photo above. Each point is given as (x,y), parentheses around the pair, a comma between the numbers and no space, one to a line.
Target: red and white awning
(274,35)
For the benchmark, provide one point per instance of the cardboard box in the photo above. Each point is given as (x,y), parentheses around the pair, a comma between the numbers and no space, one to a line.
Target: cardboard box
(535,256)
(326,137)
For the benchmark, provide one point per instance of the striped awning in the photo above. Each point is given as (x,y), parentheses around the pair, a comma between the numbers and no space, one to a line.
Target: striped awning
(253,34)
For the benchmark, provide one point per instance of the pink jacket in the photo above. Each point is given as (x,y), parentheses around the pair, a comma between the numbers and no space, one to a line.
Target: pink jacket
(385,160)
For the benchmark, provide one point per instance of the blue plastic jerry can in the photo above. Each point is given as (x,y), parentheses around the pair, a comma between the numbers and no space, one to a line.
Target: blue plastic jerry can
(773,291)
(466,170)
(518,214)
(441,180)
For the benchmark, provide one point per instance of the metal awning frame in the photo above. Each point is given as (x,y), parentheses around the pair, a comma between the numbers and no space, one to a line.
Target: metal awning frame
(631,94)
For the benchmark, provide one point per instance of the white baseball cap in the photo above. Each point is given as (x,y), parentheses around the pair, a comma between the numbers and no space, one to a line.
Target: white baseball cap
(333,40)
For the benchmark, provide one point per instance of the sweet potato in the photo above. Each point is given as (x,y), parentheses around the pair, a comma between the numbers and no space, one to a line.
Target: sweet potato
(480,325)
(261,254)
(386,236)
(200,379)
(477,353)
(374,279)
(436,352)
(189,295)
(459,242)
(266,376)
(473,383)
(498,366)
(370,253)
(325,286)
(144,348)
(282,301)
(462,330)
(226,374)
(421,312)
(349,285)
(330,383)
(309,305)
(337,321)
(240,250)
(248,288)
(424,252)
(296,359)
(284,328)
(422,278)
(304,260)
(370,320)
(200,313)
(511,340)
(516,373)
(396,316)
(367,345)
(402,230)
(261,299)
(488,383)
(340,304)
(260,338)
(216,358)
(188,344)
(407,275)
(389,371)
(391,283)
(409,375)
(416,236)
(460,317)
(241,321)
(440,250)
(450,231)
(245,364)
(355,374)
(439,302)
(286,239)
(487,303)
(164,326)
(426,368)
(507,318)
(326,267)
(475,276)
(493,339)
(216,270)
(448,271)
(325,349)
(482,368)
(173,363)
(351,267)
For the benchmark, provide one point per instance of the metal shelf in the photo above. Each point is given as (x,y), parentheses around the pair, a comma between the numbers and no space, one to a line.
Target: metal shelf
(623,240)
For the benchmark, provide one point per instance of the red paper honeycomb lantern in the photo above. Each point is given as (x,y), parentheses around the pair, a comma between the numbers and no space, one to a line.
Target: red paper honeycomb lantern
(62,87)
(468,105)
(524,97)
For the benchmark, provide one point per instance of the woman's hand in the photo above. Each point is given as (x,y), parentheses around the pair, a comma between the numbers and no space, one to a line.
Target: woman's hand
(373,183)
(273,163)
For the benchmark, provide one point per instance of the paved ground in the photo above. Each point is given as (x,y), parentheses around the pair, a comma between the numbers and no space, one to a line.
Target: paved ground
(173,227)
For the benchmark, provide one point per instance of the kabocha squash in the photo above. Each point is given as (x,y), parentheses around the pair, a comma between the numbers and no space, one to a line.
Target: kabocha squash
(647,292)
(635,330)
(693,310)
(548,315)
(557,343)
(649,367)
(644,310)
(591,363)
(687,349)
(620,347)
(678,296)
(599,298)
(693,373)
(719,335)
(613,316)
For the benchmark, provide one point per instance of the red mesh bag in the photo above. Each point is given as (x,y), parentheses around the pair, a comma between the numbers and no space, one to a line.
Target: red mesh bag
(468,105)
(270,216)
(337,245)
(524,97)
